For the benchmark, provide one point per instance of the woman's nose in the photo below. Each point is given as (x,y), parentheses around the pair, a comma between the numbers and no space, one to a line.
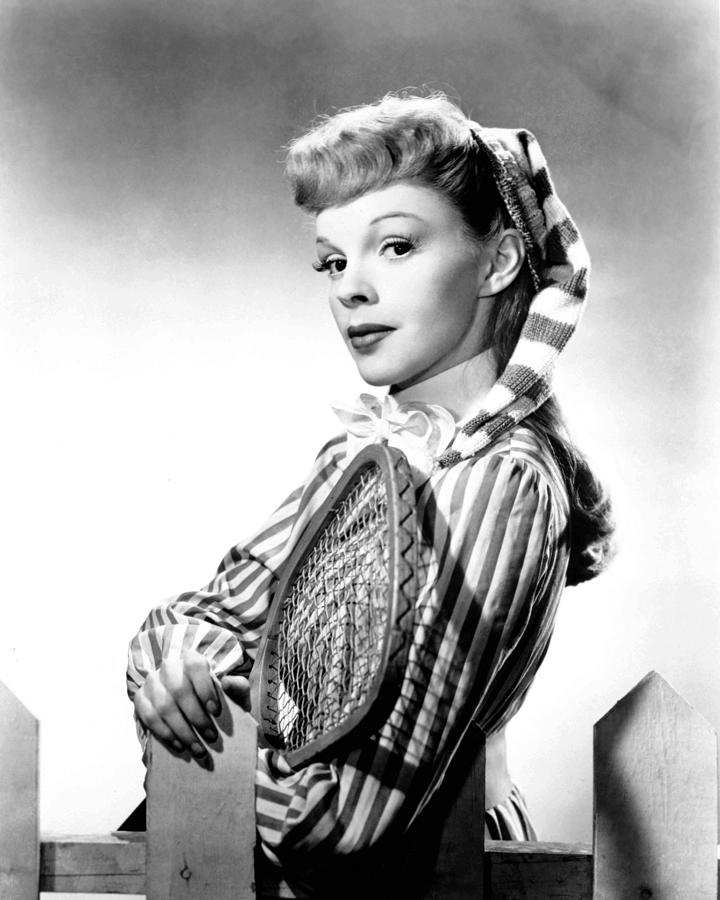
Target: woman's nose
(355,288)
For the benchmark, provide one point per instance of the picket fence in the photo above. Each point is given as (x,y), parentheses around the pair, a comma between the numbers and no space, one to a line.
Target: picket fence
(655,822)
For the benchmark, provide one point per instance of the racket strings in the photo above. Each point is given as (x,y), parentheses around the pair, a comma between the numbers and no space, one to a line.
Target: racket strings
(331,639)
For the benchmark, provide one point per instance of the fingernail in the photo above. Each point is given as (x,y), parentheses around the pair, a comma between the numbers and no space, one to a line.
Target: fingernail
(178,746)
(213,708)
(209,734)
(197,749)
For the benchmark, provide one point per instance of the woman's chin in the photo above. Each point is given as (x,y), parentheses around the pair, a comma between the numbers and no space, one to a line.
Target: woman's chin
(374,382)
(374,376)
(380,376)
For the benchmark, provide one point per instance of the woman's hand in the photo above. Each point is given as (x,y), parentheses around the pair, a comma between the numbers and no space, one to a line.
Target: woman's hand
(178,700)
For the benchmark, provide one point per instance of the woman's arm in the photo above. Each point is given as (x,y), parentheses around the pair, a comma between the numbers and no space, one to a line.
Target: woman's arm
(189,642)
(484,617)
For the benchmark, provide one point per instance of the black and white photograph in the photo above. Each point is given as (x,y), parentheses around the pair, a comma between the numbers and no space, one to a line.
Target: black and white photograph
(361,422)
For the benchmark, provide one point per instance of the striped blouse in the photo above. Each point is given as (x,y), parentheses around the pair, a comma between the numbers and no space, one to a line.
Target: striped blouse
(494,530)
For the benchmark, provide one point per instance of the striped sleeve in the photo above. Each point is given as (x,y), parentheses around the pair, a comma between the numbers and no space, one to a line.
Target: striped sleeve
(494,568)
(224,620)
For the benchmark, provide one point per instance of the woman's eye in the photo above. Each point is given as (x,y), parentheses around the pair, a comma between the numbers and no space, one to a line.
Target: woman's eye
(333,265)
(397,247)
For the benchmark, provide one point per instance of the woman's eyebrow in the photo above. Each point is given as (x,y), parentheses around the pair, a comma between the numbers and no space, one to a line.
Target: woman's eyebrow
(388,215)
(392,215)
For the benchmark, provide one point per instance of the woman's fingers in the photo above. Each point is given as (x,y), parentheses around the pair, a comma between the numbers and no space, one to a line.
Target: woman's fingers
(167,702)
(177,702)
(153,721)
(197,669)
(237,688)
(178,683)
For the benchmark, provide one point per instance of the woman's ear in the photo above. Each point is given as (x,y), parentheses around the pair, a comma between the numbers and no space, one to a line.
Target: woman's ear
(505,256)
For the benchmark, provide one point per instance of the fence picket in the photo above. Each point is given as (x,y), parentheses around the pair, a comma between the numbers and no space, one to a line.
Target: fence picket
(19,835)
(201,819)
(458,871)
(655,798)
(655,821)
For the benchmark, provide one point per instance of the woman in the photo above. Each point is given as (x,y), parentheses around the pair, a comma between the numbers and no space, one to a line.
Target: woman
(456,277)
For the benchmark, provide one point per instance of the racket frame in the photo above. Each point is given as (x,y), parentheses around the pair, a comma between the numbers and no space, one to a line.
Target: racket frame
(402,590)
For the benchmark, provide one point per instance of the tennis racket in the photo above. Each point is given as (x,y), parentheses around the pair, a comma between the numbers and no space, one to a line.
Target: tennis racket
(331,661)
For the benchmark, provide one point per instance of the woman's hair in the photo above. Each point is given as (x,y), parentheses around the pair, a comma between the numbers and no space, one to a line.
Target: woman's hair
(428,140)
(423,139)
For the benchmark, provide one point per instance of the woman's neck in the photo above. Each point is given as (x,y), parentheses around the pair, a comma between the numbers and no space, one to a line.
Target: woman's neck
(458,389)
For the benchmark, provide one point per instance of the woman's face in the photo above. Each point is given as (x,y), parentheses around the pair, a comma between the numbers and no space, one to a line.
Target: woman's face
(404,283)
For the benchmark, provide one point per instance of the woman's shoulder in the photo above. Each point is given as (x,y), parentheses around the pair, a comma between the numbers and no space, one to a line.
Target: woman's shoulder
(523,448)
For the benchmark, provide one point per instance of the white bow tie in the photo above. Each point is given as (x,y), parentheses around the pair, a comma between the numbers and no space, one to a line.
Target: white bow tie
(421,430)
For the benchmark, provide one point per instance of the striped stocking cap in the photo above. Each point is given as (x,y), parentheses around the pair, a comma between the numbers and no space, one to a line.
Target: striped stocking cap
(559,265)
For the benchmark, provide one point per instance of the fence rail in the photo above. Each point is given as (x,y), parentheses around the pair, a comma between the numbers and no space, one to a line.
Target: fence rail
(655,834)
(115,864)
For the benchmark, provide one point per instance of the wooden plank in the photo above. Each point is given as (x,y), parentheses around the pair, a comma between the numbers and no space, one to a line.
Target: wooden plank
(19,836)
(115,864)
(524,870)
(656,794)
(93,864)
(201,817)
(458,870)
(441,856)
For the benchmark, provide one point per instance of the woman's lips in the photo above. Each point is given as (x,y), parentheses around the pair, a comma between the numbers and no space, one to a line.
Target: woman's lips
(363,337)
